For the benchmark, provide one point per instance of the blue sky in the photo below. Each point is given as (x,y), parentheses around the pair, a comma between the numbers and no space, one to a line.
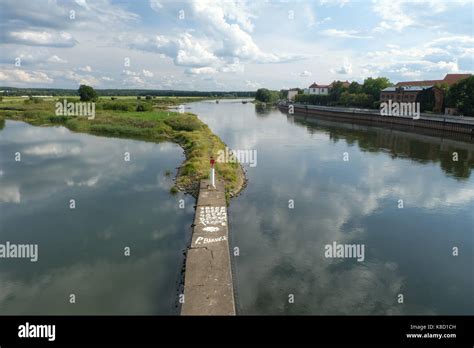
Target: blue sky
(230,45)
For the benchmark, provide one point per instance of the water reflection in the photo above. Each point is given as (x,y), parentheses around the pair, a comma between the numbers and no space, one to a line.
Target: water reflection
(263,110)
(118,204)
(417,147)
(408,251)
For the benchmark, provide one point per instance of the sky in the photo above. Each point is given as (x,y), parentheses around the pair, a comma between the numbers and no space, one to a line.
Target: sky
(231,45)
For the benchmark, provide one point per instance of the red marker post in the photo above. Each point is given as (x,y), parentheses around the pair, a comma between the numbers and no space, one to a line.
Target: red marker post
(212,173)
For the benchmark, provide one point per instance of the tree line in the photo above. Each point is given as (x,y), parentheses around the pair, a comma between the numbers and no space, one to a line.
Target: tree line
(13,91)
(367,95)
(360,95)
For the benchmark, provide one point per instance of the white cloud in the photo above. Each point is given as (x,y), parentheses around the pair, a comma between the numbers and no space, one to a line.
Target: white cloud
(432,60)
(252,84)
(106,13)
(156,5)
(352,34)
(78,78)
(83,3)
(400,14)
(345,69)
(133,79)
(147,73)
(10,194)
(222,42)
(451,67)
(393,16)
(56,59)
(340,3)
(226,43)
(89,182)
(52,149)
(86,68)
(41,38)
(23,76)
(234,67)
(201,71)
(305,73)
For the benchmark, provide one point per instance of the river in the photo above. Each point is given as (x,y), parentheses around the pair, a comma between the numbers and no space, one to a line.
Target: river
(82,252)
(282,268)
(315,183)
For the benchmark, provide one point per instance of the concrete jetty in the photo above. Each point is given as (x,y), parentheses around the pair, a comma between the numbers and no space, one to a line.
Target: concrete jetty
(208,287)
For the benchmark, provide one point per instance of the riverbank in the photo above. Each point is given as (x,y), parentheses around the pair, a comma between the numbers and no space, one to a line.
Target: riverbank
(146,120)
(445,123)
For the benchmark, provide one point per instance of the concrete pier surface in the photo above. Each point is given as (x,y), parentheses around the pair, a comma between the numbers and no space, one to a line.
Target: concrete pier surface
(208,287)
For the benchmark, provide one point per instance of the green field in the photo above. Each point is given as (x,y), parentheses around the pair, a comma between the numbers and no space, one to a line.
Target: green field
(120,118)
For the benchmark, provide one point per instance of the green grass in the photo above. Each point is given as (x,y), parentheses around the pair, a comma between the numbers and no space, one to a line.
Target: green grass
(156,125)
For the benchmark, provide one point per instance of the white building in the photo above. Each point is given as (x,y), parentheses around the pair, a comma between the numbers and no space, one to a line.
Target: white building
(316,89)
(292,94)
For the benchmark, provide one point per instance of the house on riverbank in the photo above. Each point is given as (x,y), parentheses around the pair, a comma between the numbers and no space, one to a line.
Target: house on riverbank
(316,89)
(411,91)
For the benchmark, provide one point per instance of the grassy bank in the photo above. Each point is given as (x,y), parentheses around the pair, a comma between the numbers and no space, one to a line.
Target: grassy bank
(147,120)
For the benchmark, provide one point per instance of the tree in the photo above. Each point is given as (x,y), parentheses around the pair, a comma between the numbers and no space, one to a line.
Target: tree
(374,86)
(263,95)
(336,91)
(426,98)
(266,96)
(283,94)
(461,96)
(354,88)
(87,93)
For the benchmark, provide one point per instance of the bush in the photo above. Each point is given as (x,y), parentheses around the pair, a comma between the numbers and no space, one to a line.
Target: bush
(358,100)
(138,97)
(144,107)
(312,99)
(184,123)
(34,100)
(118,106)
(148,97)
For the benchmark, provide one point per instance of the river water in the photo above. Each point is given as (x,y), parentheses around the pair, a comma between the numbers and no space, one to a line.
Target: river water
(82,252)
(281,267)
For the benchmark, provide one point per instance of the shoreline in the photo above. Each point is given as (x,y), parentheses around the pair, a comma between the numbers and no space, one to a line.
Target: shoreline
(158,125)
(443,123)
